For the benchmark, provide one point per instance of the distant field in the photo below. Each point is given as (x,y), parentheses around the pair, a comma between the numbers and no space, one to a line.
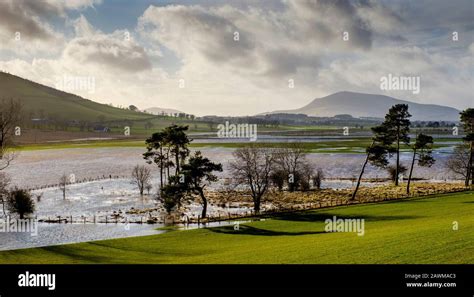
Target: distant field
(350,145)
(410,231)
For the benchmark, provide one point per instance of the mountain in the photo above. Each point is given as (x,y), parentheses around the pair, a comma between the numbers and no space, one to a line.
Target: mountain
(46,101)
(371,105)
(160,111)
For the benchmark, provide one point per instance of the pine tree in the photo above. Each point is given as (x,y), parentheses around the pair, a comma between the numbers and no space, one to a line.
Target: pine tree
(423,153)
(386,141)
(467,118)
(393,132)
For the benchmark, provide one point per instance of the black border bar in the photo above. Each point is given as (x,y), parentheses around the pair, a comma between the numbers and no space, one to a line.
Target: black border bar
(139,277)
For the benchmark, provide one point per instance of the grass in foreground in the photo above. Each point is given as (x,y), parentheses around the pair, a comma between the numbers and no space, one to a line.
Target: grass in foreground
(412,231)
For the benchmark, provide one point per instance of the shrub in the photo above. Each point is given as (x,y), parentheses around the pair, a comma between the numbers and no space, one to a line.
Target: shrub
(171,196)
(392,171)
(306,172)
(278,178)
(317,178)
(305,185)
(20,202)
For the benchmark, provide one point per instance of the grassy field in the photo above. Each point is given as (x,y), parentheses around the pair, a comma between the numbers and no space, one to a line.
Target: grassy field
(351,145)
(411,231)
(35,97)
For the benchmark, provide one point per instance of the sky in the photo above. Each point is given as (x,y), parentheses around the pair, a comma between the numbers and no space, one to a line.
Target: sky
(241,57)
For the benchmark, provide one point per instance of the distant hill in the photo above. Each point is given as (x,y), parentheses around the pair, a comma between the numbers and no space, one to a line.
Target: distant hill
(160,111)
(39,98)
(371,105)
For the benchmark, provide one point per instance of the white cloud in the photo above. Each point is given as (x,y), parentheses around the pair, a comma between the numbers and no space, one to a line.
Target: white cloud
(112,51)
(301,40)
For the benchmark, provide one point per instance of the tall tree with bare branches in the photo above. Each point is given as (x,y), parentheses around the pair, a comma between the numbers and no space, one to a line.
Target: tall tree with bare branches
(458,161)
(253,167)
(141,176)
(4,192)
(291,160)
(10,117)
(63,182)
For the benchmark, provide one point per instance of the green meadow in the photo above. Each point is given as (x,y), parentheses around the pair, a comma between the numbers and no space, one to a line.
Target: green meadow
(409,231)
(350,145)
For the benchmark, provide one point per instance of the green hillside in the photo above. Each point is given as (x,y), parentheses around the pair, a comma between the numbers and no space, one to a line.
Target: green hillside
(36,97)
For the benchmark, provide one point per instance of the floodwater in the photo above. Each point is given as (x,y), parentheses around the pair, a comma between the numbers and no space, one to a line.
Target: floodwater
(56,234)
(45,167)
(112,191)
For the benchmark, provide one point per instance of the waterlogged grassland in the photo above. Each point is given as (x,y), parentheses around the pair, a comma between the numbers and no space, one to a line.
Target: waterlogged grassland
(411,231)
(82,144)
(350,145)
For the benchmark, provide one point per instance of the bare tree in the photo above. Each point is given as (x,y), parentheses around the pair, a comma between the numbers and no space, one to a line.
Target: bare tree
(141,176)
(252,167)
(10,117)
(318,178)
(306,173)
(4,183)
(148,188)
(63,182)
(291,160)
(458,162)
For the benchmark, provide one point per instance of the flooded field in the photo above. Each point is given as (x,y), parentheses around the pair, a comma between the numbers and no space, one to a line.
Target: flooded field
(45,167)
(53,234)
(110,190)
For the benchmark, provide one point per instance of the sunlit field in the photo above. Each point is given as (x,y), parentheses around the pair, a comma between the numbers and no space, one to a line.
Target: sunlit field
(412,231)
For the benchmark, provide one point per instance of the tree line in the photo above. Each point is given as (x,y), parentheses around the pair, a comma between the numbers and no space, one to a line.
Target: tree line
(257,168)
(168,149)
(394,131)
(260,168)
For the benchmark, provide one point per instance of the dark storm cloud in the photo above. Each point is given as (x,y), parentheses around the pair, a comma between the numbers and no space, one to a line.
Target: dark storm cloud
(24,17)
(326,20)
(273,43)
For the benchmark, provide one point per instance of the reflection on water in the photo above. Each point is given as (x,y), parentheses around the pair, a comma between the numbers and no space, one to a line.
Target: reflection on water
(55,234)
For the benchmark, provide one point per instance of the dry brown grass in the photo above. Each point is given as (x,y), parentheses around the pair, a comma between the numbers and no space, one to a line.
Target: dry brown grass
(331,197)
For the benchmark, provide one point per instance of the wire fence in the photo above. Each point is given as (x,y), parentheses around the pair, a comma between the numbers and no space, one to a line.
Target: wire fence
(80,181)
(222,215)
